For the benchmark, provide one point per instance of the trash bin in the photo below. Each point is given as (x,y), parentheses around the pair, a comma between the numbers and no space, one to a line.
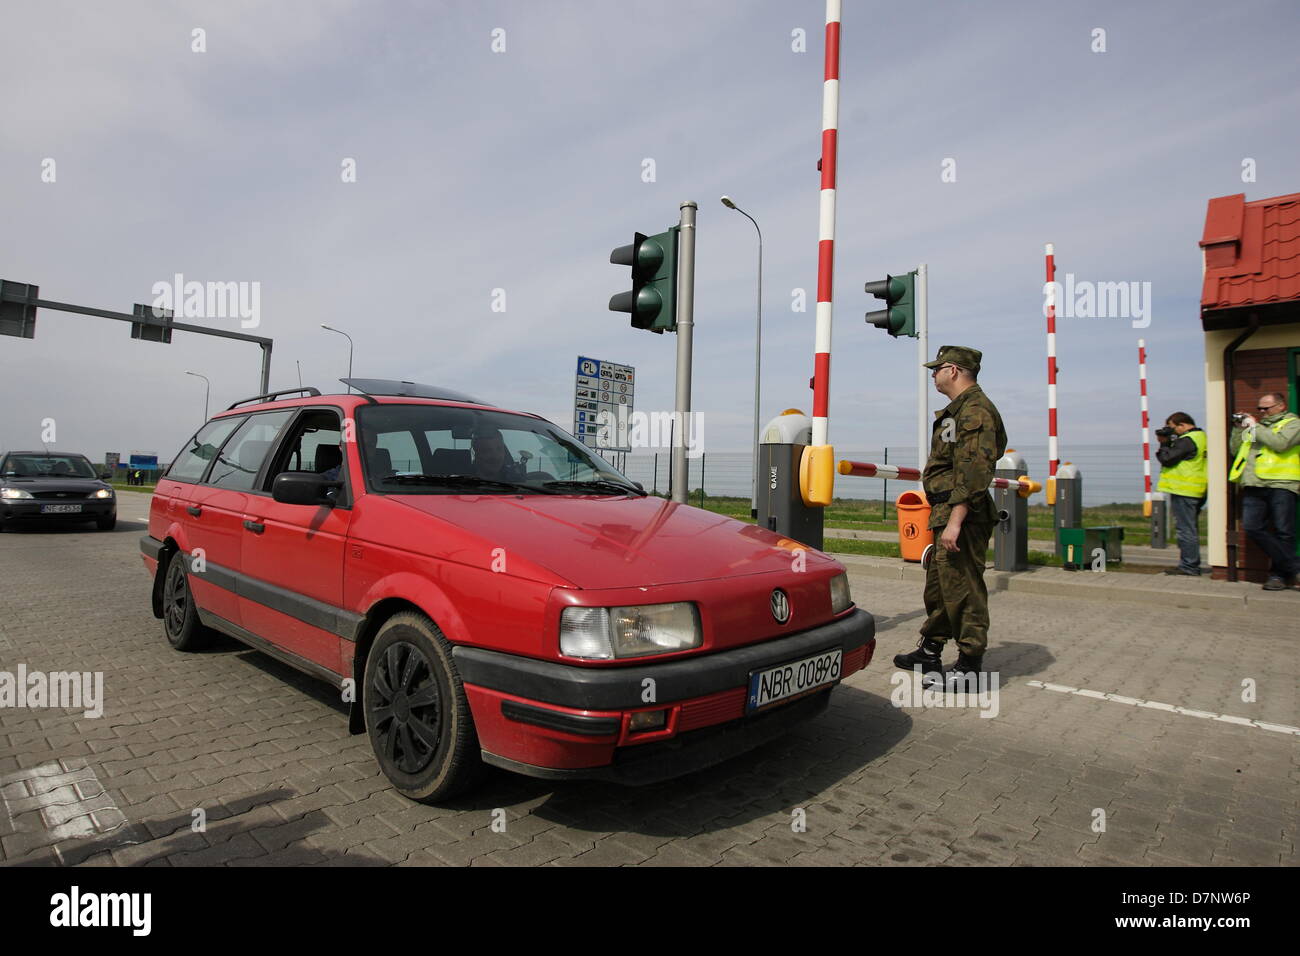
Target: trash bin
(1079,546)
(914,532)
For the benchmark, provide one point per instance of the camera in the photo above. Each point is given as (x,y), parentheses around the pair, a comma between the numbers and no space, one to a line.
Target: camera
(1166,432)
(1238,418)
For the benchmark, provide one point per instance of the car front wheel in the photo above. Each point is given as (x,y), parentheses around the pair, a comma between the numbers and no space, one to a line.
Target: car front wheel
(417,714)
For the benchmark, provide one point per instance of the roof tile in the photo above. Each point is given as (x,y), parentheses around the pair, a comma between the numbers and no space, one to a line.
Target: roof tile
(1252,251)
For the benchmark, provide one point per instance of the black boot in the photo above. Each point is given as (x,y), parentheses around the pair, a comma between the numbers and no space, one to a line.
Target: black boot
(965,671)
(927,656)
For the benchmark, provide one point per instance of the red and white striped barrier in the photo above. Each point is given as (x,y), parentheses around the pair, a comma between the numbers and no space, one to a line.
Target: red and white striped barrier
(826,226)
(1024,485)
(1053,454)
(817,466)
(1146,428)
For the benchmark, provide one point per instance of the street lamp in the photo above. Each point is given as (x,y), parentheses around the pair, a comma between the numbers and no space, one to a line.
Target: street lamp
(758,349)
(207,387)
(330,328)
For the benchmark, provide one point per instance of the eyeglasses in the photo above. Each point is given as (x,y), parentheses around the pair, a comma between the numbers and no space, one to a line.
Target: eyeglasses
(936,371)
(1264,408)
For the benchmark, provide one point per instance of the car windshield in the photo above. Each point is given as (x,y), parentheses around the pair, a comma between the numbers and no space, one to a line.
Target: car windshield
(47,466)
(440,449)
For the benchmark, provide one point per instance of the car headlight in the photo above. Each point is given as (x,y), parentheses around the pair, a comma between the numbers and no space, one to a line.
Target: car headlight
(841,599)
(104,493)
(605,633)
(14,493)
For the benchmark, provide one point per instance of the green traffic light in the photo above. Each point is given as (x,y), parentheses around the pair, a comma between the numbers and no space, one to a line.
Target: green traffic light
(652,301)
(899,294)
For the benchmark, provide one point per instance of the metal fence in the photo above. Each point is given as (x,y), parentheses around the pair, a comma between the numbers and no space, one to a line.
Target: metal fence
(1110,473)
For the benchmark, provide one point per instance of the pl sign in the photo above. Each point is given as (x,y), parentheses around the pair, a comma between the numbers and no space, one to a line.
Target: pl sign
(602,403)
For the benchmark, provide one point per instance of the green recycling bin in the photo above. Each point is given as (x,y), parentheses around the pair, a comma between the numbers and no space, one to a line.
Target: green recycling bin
(1079,546)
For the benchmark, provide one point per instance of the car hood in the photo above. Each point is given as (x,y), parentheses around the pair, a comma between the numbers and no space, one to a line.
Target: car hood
(614,541)
(75,485)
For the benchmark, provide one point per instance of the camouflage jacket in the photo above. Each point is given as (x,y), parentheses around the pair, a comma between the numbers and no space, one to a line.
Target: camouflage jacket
(966,443)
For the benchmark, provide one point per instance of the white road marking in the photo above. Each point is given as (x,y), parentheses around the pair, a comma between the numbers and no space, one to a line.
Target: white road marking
(1157,705)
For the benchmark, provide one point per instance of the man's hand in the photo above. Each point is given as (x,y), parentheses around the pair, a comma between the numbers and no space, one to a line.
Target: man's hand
(1247,421)
(952,530)
(951,533)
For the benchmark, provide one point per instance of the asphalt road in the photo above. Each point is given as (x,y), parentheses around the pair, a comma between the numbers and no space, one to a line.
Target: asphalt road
(1121,737)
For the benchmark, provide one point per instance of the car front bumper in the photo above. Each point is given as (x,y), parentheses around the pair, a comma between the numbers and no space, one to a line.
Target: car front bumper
(21,509)
(553,720)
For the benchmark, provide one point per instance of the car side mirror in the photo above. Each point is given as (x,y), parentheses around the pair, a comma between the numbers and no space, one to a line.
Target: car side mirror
(639,486)
(106,476)
(304,488)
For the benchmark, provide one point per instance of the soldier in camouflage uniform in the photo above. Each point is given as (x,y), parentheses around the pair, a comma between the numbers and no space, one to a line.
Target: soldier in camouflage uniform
(968,439)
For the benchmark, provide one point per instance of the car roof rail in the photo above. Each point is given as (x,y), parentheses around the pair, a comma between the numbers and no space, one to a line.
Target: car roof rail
(308,390)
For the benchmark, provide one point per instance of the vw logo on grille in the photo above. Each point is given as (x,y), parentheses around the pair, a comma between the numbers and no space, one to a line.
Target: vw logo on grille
(780,606)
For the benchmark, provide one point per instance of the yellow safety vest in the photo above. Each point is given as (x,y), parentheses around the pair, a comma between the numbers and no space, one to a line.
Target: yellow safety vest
(1270,465)
(1187,478)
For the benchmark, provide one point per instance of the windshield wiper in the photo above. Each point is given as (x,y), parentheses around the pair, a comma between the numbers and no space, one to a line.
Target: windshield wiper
(598,484)
(468,481)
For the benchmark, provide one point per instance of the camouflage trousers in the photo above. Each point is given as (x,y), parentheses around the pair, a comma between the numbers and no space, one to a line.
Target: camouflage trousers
(956,600)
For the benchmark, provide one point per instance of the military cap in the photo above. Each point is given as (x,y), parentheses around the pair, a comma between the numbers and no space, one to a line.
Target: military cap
(957,355)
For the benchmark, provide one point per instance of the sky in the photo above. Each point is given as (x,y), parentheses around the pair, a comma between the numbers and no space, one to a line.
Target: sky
(500,153)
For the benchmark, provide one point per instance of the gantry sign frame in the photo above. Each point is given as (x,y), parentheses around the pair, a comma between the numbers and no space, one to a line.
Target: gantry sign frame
(22,294)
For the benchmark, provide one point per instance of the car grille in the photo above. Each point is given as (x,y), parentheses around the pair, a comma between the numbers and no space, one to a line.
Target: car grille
(61,495)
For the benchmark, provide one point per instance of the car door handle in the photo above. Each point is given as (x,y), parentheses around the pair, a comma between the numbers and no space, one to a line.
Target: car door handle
(254,526)
(194,510)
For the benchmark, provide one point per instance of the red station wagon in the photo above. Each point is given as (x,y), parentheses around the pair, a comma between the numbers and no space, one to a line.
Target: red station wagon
(483,588)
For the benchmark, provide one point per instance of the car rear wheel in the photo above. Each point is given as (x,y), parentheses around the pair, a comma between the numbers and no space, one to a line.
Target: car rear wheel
(417,714)
(180,615)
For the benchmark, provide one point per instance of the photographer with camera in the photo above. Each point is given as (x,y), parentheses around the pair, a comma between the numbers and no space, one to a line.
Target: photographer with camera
(1183,477)
(1267,468)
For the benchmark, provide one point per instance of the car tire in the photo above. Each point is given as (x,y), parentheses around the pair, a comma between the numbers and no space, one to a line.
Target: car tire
(106,524)
(428,750)
(180,614)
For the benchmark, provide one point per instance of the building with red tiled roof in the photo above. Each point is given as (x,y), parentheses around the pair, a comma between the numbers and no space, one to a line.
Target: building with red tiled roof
(1250,314)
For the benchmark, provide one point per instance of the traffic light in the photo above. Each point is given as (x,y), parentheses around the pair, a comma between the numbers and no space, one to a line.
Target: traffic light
(150,332)
(653,299)
(899,293)
(17,318)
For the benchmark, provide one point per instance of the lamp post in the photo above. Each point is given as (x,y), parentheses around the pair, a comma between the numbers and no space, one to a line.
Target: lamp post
(330,328)
(207,387)
(758,352)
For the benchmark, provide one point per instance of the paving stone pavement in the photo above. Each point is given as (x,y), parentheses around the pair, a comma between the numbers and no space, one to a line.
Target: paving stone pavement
(229,758)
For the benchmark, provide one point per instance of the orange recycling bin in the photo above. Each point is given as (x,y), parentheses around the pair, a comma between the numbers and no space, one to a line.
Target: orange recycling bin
(914,533)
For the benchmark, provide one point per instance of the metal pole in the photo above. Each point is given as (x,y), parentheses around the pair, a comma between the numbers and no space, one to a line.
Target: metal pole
(266,368)
(884,492)
(330,328)
(758,354)
(207,386)
(685,328)
(922,373)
